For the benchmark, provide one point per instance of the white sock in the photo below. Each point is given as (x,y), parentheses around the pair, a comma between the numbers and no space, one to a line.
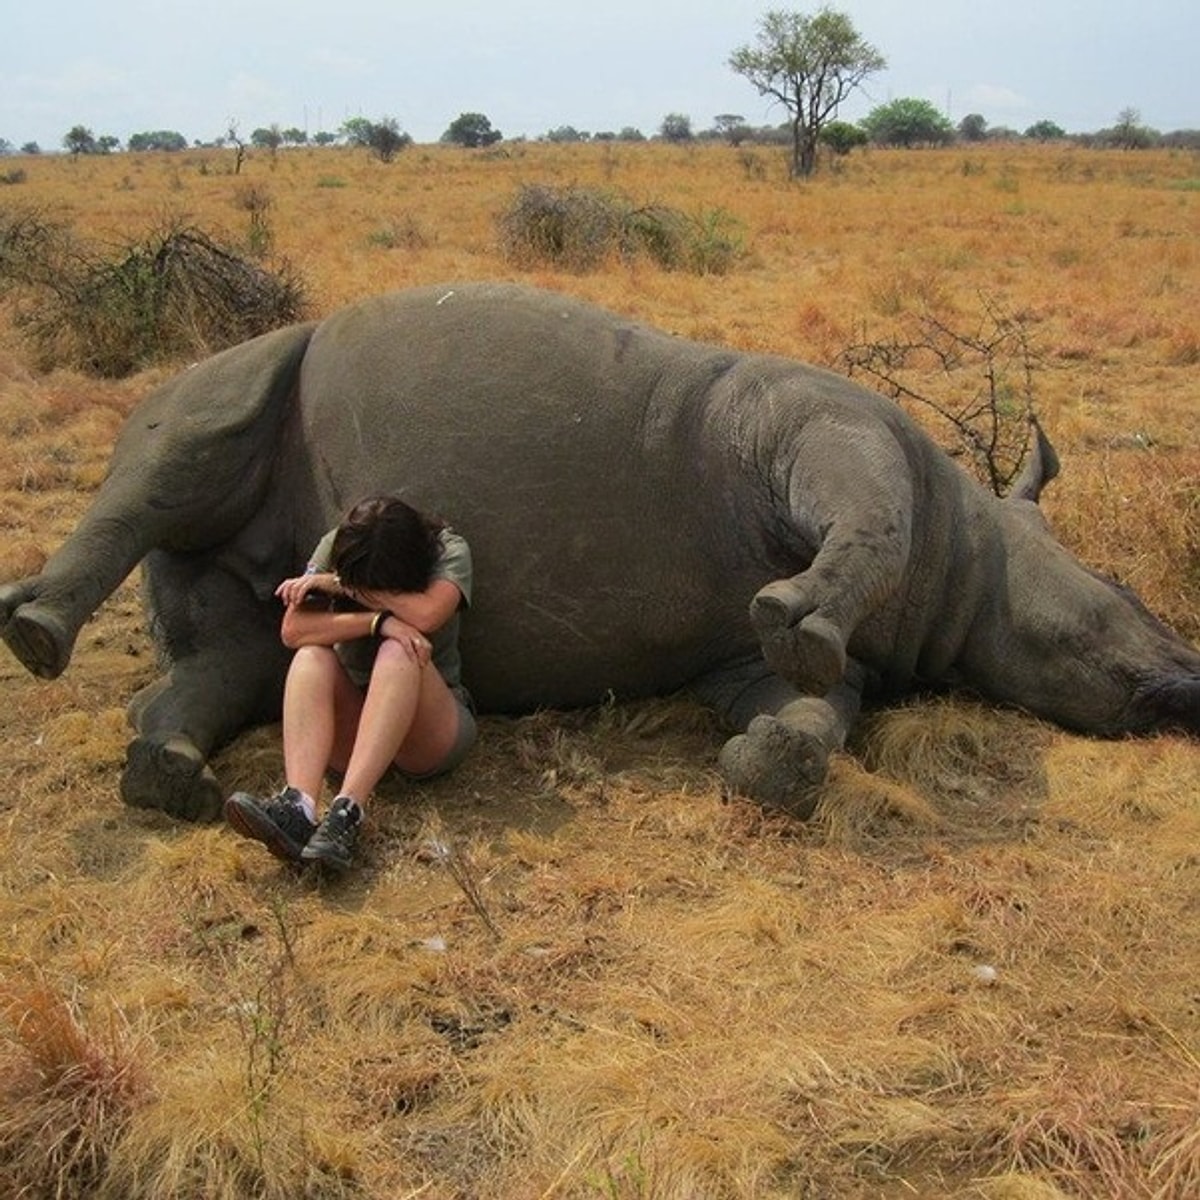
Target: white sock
(308,804)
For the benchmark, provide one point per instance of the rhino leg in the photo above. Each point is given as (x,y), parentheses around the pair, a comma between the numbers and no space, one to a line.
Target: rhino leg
(781,756)
(34,629)
(227,671)
(800,644)
(850,498)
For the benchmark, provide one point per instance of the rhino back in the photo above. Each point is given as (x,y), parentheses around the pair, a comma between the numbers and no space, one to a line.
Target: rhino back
(568,447)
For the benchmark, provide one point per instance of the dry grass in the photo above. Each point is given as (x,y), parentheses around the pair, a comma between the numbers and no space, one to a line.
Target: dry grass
(578,969)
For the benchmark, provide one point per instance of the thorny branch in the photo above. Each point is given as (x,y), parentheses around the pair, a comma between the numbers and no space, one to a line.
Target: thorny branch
(993,368)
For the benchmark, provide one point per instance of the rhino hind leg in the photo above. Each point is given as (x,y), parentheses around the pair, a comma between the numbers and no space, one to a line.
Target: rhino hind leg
(168,772)
(227,672)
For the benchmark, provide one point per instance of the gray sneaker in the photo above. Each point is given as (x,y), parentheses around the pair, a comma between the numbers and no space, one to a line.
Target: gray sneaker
(280,823)
(333,843)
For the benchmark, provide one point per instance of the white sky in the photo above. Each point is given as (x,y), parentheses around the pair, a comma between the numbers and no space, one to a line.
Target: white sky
(128,66)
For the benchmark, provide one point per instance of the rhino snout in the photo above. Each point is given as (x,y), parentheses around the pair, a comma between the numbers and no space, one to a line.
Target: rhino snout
(1168,703)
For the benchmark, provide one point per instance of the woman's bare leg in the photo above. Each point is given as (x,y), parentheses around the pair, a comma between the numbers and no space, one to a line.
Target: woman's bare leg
(320,709)
(409,718)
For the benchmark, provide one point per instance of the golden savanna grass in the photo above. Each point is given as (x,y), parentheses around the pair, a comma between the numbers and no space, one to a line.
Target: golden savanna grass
(578,968)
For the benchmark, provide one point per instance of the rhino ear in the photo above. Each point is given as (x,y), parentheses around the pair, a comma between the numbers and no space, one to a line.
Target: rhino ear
(1040,467)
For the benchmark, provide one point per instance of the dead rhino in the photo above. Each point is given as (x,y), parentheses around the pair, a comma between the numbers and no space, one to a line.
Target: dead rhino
(647,514)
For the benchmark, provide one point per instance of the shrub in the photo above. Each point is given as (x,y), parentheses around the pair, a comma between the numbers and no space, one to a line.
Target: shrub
(580,228)
(176,293)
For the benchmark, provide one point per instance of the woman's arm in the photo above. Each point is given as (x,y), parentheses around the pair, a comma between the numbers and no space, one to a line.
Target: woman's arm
(307,625)
(424,611)
(402,616)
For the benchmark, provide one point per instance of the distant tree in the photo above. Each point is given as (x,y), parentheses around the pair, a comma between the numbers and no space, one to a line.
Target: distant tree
(295,137)
(158,139)
(234,138)
(384,138)
(6,147)
(908,122)
(80,140)
(810,64)
(1129,133)
(841,137)
(676,127)
(1176,139)
(1045,131)
(270,138)
(972,128)
(31,148)
(472,130)
(357,132)
(630,134)
(324,138)
(567,133)
(106,144)
(732,127)
(388,139)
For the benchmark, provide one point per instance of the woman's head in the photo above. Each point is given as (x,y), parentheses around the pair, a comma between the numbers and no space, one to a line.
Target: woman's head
(385,545)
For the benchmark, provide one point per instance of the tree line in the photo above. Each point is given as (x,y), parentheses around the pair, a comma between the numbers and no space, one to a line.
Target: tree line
(809,64)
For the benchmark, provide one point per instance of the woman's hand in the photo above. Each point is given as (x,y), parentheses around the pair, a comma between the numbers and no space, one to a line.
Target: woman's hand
(294,591)
(410,639)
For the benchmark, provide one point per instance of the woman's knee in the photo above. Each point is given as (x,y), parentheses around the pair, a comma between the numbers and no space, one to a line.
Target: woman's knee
(315,663)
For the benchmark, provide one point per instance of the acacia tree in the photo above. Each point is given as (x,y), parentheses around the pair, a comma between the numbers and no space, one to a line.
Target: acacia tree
(810,64)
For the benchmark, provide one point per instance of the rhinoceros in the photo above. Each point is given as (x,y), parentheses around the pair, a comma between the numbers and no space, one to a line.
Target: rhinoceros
(647,515)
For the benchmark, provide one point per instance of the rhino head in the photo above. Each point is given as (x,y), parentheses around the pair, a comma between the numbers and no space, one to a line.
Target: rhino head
(1069,644)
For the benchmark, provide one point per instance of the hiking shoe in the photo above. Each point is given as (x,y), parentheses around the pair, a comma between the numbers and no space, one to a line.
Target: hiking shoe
(336,836)
(281,823)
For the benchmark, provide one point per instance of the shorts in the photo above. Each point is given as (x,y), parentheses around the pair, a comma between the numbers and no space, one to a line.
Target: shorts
(467,734)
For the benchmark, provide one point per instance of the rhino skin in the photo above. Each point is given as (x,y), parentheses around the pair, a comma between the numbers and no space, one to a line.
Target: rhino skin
(647,514)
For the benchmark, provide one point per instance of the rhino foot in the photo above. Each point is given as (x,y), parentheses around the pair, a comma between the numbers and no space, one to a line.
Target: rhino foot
(169,773)
(810,655)
(776,765)
(39,639)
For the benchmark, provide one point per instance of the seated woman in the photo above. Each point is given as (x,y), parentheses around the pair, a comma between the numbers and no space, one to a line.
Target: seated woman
(376,678)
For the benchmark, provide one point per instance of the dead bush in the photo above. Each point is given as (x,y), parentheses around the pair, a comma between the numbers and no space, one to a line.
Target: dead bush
(987,380)
(176,293)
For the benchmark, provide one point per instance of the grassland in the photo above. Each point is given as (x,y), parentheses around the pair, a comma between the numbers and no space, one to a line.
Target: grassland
(975,973)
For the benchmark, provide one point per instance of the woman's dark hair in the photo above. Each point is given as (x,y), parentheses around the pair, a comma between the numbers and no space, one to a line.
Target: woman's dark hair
(385,545)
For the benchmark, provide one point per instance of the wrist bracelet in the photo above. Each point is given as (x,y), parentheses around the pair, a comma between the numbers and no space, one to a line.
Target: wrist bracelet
(377,623)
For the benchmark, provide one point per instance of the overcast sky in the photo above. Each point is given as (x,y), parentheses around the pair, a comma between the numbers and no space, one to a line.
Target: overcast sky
(129,66)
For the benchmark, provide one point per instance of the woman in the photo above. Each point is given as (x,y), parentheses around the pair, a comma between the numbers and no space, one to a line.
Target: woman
(376,678)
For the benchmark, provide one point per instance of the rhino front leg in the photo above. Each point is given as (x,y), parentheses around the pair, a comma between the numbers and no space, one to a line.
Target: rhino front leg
(34,629)
(781,756)
(805,623)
